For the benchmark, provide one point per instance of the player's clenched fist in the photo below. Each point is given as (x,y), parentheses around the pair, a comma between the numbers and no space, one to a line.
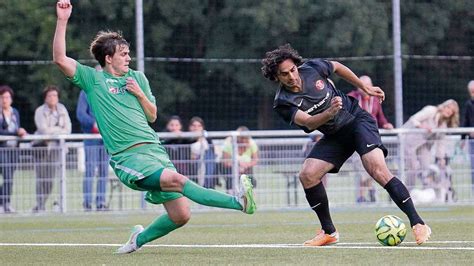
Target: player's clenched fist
(63,9)
(134,88)
(336,105)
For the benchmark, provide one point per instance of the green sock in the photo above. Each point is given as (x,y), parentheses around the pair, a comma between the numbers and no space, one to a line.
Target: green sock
(161,226)
(210,197)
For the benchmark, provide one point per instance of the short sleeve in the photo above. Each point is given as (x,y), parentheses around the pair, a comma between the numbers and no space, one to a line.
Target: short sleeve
(84,77)
(227,146)
(286,112)
(145,86)
(253,147)
(323,67)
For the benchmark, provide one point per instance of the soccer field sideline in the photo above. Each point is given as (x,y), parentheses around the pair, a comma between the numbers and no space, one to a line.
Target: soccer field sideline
(222,238)
(366,245)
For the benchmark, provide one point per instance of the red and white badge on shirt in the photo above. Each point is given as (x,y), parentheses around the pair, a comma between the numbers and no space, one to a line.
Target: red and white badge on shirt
(319,84)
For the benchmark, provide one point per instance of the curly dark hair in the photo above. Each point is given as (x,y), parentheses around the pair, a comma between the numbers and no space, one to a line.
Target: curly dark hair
(274,58)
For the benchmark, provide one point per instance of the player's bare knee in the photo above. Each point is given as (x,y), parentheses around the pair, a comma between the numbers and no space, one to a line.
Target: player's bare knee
(309,178)
(182,218)
(381,175)
(172,180)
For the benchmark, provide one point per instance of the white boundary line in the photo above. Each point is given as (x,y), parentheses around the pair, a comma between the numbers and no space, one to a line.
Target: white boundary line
(284,246)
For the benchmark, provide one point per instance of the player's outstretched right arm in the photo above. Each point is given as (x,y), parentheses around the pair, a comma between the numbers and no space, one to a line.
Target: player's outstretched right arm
(66,64)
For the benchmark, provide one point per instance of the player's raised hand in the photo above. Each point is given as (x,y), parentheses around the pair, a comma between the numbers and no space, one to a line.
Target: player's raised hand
(375,91)
(63,9)
(133,87)
(336,105)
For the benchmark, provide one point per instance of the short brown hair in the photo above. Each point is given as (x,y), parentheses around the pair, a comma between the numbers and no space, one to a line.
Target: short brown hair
(4,89)
(274,58)
(197,119)
(49,88)
(105,43)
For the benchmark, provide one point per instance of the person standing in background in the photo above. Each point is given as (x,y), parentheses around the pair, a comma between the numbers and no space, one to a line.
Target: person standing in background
(202,153)
(468,121)
(96,157)
(178,147)
(418,145)
(373,106)
(51,118)
(9,126)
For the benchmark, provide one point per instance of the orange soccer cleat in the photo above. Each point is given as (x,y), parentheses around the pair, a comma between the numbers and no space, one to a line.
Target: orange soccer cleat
(422,233)
(323,239)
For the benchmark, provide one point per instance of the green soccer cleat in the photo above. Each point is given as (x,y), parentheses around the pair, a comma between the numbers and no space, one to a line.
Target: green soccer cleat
(246,195)
(131,245)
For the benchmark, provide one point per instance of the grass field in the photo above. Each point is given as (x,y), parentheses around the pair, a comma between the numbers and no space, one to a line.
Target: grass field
(234,238)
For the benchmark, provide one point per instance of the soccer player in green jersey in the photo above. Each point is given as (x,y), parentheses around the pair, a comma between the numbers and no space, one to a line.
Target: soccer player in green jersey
(123,104)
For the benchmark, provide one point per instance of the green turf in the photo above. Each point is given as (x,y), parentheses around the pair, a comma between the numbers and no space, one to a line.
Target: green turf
(279,227)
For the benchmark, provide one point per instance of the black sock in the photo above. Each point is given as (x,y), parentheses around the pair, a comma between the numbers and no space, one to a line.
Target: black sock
(400,195)
(318,201)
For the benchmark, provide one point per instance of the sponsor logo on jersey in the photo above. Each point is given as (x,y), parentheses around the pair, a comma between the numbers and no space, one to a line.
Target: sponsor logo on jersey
(319,104)
(114,88)
(319,84)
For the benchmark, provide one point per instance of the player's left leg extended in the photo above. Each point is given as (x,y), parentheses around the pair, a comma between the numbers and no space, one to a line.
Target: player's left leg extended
(173,181)
(374,164)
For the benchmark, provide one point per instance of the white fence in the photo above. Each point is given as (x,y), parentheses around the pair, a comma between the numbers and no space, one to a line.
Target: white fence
(51,179)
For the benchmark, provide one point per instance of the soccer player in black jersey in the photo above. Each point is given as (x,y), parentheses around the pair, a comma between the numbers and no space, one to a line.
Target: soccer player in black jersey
(308,99)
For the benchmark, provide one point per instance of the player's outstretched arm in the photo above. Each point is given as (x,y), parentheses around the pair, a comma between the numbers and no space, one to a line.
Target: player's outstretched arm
(66,64)
(347,74)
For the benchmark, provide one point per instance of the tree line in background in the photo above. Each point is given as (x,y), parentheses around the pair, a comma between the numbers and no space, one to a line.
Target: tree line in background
(227,95)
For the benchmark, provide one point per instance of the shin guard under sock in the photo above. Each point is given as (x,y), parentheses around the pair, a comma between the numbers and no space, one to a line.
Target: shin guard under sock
(400,195)
(161,226)
(318,201)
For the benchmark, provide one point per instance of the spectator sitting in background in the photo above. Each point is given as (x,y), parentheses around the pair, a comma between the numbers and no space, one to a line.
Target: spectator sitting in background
(9,126)
(202,152)
(96,157)
(373,106)
(468,121)
(51,118)
(418,146)
(247,157)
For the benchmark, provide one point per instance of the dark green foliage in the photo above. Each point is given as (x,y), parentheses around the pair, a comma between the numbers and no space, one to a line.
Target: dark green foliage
(229,94)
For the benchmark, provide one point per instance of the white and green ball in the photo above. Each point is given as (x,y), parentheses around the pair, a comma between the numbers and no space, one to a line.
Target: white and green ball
(390,230)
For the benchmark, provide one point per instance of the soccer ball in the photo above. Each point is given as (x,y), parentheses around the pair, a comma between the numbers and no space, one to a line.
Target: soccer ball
(390,230)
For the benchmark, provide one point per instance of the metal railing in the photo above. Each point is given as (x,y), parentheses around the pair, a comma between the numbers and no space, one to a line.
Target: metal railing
(51,178)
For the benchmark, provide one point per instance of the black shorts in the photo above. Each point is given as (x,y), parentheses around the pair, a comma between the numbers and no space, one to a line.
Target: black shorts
(361,135)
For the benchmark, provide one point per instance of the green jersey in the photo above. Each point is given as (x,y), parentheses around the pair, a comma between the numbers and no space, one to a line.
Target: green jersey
(119,115)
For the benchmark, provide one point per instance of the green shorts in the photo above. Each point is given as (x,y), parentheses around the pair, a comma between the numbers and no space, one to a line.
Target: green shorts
(140,162)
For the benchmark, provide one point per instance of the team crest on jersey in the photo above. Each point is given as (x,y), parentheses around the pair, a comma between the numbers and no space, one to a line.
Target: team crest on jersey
(319,84)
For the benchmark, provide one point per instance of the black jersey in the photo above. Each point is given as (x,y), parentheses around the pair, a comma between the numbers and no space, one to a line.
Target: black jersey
(315,97)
